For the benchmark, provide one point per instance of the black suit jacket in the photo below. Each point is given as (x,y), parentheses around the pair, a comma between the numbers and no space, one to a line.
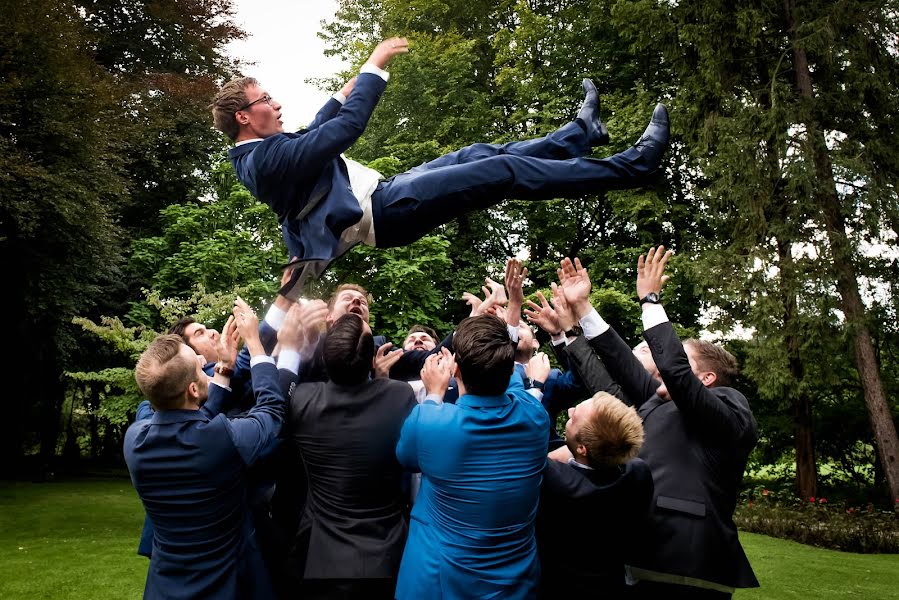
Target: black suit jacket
(587,527)
(353,522)
(696,445)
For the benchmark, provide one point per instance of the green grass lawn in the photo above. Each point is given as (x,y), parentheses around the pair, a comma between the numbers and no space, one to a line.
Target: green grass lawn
(77,540)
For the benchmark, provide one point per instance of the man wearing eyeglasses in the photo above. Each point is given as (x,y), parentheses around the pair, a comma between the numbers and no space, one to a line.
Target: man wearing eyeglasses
(327,203)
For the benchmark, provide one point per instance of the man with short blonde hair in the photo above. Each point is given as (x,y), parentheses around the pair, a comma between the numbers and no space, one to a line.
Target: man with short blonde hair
(166,370)
(597,485)
(227,102)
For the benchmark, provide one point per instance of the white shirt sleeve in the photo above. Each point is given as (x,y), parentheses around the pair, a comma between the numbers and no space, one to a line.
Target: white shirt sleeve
(339,97)
(593,325)
(653,314)
(224,387)
(370,68)
(275,317)
(290,360)
(513,333)
(261,358)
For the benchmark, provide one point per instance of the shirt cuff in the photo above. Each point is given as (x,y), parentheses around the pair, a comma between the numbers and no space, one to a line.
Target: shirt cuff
(224,387)
(261,358)
(339,97)
(593,325)
(513,333)
(437,398)
(370,68)
(290,360)
(535,392)
(653,314)
(559,339)
(275,317)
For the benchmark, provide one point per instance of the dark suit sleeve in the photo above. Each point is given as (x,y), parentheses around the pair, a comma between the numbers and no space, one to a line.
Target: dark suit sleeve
(326,113)
(624,367)
(407,447)
(253,434)
(410,364)
(591,370)
(724,416)
(562,390)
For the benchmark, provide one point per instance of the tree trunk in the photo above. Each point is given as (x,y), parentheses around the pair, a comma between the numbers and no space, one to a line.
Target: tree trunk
(800,402)
(826,197)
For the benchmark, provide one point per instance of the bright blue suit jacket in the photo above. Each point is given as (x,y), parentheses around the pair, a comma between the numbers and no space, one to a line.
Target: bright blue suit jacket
(302,177)
(188,468)
(472,528)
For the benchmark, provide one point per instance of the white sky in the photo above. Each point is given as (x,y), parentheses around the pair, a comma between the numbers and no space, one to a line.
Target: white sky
(281,41)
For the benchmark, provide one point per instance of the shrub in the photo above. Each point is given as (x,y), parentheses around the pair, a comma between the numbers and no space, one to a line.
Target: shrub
(818,521)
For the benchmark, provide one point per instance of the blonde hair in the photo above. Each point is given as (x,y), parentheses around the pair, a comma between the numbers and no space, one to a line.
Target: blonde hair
(162,374)
(231,98)
(613,434)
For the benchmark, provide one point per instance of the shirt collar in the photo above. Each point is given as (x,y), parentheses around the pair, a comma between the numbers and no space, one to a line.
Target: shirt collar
(578,465)
(484,401)
(242,142)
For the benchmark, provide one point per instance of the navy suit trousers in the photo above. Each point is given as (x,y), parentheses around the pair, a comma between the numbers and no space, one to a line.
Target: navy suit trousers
(411,204)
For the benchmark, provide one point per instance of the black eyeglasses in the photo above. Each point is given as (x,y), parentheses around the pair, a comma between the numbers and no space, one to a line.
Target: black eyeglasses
(265,98)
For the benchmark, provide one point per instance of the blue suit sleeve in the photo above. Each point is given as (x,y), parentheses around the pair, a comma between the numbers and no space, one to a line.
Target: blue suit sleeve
(215,402)
(562,390)
(144,411)
(269,338)
(253,434)
(298,156)
(326,113)
(407,447)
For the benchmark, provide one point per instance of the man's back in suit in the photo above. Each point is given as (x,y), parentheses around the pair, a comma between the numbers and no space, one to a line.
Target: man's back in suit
(353,521)
(472,530)
(188,468)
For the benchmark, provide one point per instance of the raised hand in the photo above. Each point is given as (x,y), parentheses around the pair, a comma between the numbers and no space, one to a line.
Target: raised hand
(473,301)
(575,283)
(348,87)
(651,272)
(538,367)
(283,302)
(386,50)
(384,359)
(543,315)
(248,325)
(563,309)
(437,372)
(515,275)
(226,346)
(290,336)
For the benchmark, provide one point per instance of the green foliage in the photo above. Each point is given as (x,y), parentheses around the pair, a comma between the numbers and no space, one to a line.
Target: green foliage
(818,521)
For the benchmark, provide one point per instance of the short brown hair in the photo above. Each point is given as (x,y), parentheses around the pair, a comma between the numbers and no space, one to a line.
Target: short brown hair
(484,354)
(231,98)
(162,374)
(180,326)
(712,357)
(423,329)
(613,434)
(347,286)
(348,351)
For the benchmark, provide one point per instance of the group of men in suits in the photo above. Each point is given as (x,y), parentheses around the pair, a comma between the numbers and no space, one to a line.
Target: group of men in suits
(636,501)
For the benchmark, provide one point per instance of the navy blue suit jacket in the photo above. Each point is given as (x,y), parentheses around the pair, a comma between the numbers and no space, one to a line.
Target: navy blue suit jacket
(188,468)
(302,177)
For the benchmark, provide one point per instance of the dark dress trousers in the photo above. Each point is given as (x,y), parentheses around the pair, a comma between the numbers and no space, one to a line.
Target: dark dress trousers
(696,445)
(189,470)
(588,526)
(353,529)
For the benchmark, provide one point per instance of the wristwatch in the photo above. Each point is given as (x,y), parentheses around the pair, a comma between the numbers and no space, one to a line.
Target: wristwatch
(650,298)
(223,370)
(537,384)
(574,332)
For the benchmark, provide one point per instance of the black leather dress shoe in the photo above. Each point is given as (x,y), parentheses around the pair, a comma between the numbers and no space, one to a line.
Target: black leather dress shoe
(654,141)
(597,134)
